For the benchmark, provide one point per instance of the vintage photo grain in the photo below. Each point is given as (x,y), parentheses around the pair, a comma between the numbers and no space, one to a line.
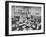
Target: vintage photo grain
(26,18)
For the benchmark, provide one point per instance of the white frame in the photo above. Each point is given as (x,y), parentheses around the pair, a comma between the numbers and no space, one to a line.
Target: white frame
(24,32)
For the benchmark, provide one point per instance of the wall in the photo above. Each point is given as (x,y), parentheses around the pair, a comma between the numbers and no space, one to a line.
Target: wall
(2,19)
(36,11)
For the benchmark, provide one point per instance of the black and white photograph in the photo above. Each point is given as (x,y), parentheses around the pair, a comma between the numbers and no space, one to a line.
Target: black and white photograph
(25,18)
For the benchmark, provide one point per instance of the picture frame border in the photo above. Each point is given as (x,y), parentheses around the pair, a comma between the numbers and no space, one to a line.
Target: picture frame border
(7,17)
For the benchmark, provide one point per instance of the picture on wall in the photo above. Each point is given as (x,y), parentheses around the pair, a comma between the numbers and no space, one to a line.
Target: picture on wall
(23,18)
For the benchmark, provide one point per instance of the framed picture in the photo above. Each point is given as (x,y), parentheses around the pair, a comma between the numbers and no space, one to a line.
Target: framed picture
(24,18)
